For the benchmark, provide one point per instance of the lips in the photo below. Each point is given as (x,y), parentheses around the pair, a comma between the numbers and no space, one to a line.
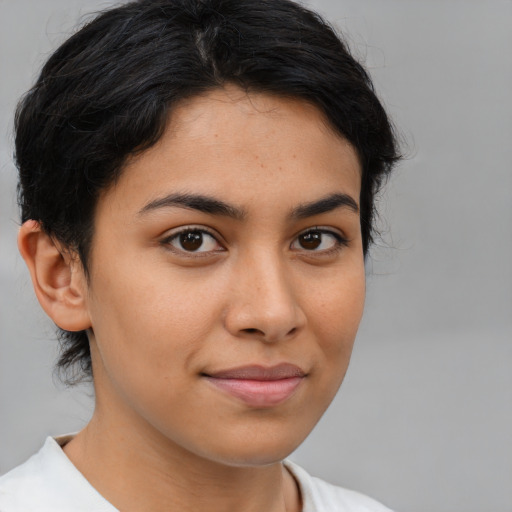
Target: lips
(258,386)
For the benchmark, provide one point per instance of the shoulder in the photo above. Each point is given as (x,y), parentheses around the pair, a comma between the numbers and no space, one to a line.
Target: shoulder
(321,496)
(48,482)
(18,485)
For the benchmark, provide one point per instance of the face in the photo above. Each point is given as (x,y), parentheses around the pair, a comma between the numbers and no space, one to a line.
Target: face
(227,279)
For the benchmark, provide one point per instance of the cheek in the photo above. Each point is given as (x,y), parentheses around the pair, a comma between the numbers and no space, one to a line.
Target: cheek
(338,309)
(149,321)
(148,333)
(147,294)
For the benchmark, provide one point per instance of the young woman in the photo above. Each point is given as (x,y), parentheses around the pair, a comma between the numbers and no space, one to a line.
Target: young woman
(196,182)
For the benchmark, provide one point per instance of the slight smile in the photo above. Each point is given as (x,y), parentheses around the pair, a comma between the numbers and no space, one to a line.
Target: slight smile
(259,386)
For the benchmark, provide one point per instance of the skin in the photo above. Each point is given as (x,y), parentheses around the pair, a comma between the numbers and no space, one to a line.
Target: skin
(160,317)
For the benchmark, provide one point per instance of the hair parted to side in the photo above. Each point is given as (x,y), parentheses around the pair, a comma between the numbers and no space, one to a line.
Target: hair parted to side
(109,90)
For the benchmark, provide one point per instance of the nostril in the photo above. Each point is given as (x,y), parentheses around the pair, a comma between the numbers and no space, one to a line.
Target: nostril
(253,331)
(259,332)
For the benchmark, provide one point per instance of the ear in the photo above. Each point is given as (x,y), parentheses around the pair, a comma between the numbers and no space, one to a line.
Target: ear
(57,276)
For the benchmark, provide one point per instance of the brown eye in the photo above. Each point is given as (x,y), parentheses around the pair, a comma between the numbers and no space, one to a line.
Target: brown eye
(191,240)
(318,241)
(310,240)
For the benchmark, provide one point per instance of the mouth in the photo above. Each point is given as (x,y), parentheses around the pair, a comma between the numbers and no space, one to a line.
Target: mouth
(258,386)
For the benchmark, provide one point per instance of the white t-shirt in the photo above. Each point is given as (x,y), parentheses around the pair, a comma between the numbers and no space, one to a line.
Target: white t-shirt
(49,482)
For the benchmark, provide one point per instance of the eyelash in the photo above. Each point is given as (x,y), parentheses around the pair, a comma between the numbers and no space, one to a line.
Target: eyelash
(167,242)
(340,241)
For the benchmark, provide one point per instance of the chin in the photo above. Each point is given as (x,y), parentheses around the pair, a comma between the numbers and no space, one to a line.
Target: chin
(258,449)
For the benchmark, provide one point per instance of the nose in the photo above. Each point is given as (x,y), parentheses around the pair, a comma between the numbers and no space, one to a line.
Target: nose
(264,304)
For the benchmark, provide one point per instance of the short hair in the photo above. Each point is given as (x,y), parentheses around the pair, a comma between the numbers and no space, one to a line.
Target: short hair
(108,91)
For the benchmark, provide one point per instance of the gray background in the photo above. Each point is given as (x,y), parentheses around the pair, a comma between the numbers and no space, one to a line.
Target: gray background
(424,419)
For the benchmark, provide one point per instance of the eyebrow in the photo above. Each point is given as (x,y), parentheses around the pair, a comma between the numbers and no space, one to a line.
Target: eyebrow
(195,202)
(214,206)
(324,205)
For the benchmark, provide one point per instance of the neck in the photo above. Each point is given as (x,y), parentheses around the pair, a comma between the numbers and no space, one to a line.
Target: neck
(139,469)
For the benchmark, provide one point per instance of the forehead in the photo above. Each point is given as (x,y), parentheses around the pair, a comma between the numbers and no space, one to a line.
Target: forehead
(259,142)
(231,107)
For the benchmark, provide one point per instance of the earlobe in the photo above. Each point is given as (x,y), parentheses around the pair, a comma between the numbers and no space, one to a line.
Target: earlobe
(58,278)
